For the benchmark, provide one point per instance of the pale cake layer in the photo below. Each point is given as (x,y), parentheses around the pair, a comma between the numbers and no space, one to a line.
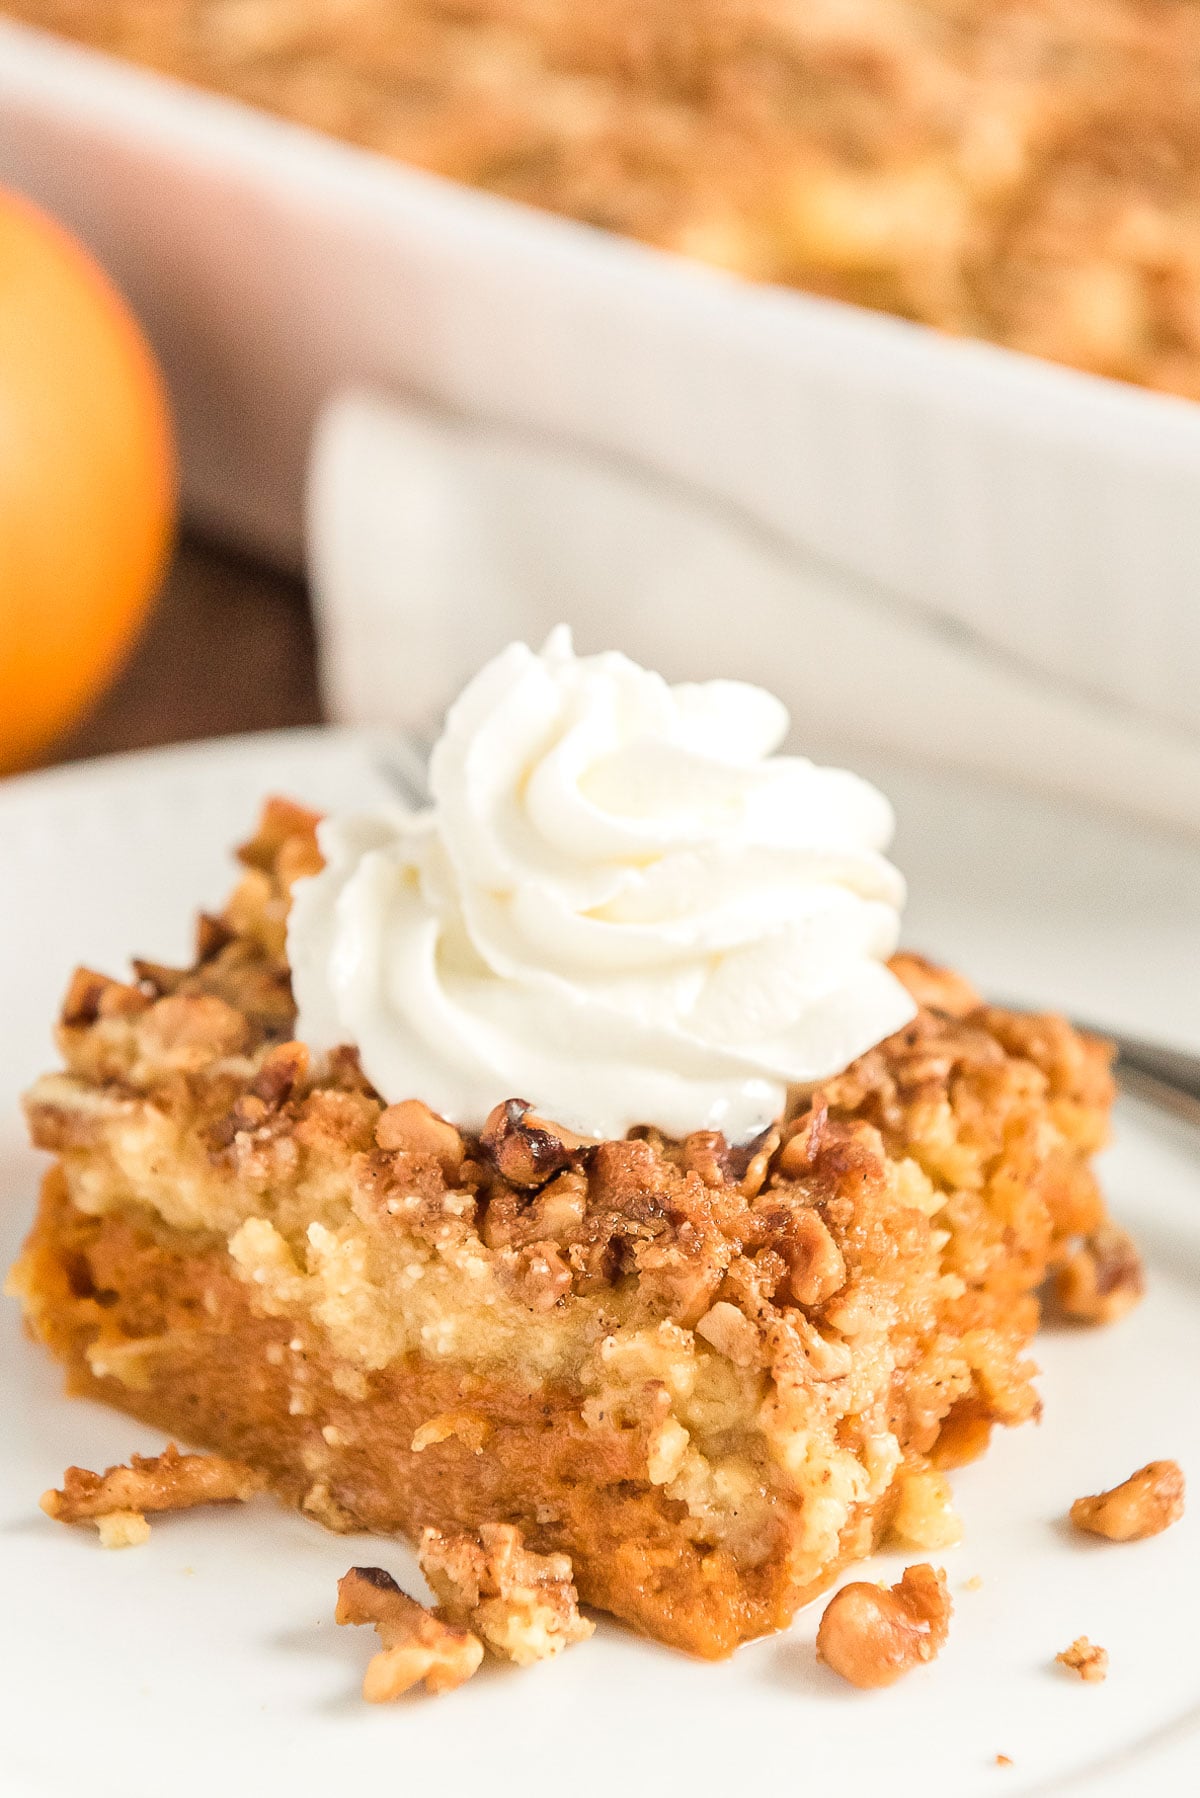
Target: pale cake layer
(708,1375)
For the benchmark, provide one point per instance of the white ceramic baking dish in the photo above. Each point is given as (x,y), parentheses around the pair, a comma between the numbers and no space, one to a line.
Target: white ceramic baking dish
(1053,515)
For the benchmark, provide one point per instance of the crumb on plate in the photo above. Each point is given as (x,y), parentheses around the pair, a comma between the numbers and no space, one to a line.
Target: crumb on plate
(1101,1280)
(873,1635)
(116,1501)
(415,1646)
(1145,1504)
(1086,1659)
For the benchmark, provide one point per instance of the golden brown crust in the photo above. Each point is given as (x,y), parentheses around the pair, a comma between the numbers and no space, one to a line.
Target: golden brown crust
(1028,174)
(416,1648)
(706,1372)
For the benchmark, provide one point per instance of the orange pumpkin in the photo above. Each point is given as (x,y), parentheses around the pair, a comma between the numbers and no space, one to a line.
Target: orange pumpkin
(87,480)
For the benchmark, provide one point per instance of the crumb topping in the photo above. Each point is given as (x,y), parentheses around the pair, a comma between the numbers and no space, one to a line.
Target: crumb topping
(524,1605)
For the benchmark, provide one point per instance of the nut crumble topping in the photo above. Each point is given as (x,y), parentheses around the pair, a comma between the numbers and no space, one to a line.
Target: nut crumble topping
(524,1605)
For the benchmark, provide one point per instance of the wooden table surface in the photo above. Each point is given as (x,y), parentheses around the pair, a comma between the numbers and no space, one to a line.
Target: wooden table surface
(229,648)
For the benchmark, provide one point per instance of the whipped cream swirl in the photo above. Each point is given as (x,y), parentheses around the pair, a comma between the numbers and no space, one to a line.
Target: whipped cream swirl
(621,906)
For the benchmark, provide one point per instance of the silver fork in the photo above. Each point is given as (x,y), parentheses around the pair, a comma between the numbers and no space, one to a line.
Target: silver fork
(1166,1078)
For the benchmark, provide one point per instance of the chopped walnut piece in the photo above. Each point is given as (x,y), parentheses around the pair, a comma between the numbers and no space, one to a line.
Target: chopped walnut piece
(1085,1659)
(1145,1504)
(282,1071)
(525,1149)
(938,988)
(558,1212)
(704,1153)
(1102,1279)
(187,1032)
(415,1646)
(416,1130)
(822,1357)
(166,1482)
(751,1162)
(720,1163)
(873,1635)
(804,1143)
(159,978)
(539,1277)
(818,1269)
(212,935)
(281,820)
(524,1605)
(91,996)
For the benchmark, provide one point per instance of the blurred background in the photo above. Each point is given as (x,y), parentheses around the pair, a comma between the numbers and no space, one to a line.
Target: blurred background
(853,350)
(229,647)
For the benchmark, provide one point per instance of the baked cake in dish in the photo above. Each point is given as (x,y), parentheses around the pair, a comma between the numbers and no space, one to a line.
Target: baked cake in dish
(712,1372)
(1026,171)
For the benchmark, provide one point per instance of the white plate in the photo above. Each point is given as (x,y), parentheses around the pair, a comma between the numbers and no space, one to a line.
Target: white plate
(209,1659)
